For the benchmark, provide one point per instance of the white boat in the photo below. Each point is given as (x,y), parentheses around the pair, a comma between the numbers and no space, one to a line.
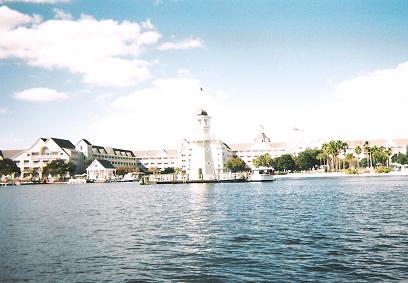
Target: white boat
(262,174)
(76,181)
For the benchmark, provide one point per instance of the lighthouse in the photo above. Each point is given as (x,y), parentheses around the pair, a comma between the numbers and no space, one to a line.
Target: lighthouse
(202,165)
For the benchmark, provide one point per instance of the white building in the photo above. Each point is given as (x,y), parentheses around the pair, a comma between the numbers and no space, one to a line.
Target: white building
(101,170)
(201,165)
(201,156)
(160,159)
(118,157)
(261,145)
(33,160)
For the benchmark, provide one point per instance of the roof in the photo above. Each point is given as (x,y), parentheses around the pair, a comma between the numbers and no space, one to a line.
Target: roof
(201,112)
(106,164)
(112,151)
(257,146)
(155,153)
(261,137)
(63,143)
(86,141)
(10,153)
(378,142)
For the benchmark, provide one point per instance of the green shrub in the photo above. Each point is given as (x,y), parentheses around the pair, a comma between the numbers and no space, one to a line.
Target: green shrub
(383,170)
(351,171)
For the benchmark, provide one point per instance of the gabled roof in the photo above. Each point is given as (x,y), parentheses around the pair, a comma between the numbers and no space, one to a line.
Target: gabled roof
(105,163)
(63,143)
(86,141)
(10,153)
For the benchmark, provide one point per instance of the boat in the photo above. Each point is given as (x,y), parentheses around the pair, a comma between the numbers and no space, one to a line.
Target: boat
(262,174)
(78,179)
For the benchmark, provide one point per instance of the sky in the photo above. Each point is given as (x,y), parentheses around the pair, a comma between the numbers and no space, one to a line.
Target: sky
(129,73)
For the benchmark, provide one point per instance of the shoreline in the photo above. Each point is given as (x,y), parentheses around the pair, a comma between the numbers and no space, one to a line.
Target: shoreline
(337,174)
(287,176)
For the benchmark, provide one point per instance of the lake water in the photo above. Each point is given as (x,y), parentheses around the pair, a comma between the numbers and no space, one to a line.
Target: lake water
(332,229)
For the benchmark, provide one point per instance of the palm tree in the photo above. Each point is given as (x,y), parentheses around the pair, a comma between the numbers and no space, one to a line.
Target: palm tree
(349,158)
(332,149)
(367,150)
(329,151)
(321,157)
(341,146)
(358,150)
(388,151)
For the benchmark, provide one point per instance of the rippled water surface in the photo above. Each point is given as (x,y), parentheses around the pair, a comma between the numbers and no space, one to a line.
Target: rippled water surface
(333,229)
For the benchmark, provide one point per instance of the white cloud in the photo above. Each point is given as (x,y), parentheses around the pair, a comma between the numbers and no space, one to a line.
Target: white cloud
(35,1)
(159,115)
(184,44)
(371,105)
(183,72)
(104,52)
(40,95)
(9,19)
(147,24)
(61,14)
(3,110)
(381,84)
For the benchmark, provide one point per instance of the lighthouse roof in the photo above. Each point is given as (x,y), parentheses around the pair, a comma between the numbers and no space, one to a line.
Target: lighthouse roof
(201,112)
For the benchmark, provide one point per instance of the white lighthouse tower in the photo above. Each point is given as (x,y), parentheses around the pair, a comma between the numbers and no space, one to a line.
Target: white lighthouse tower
(202,166)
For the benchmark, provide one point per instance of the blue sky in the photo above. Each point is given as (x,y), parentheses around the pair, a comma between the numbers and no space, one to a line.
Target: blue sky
(128,73)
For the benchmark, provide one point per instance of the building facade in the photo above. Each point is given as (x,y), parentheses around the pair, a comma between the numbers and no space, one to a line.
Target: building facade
(101,170)
(200,156)
(117,157)
(33,160)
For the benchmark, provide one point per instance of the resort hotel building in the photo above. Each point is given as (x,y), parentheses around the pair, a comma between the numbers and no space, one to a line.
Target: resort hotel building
(118,157)
(199,156)
(33,160)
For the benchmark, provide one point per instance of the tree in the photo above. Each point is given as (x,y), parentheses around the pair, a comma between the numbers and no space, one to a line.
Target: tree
(285,162)
(168,170)
(364,162)
(332,150)
(380,155)
(124,170)
(400,158)
(388,152)
(322,156)
(8,167)
(367,151)
(264,160)
(307,159)
(358,151)
(59,168)
(154,170)
(349,158)
(236,164)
